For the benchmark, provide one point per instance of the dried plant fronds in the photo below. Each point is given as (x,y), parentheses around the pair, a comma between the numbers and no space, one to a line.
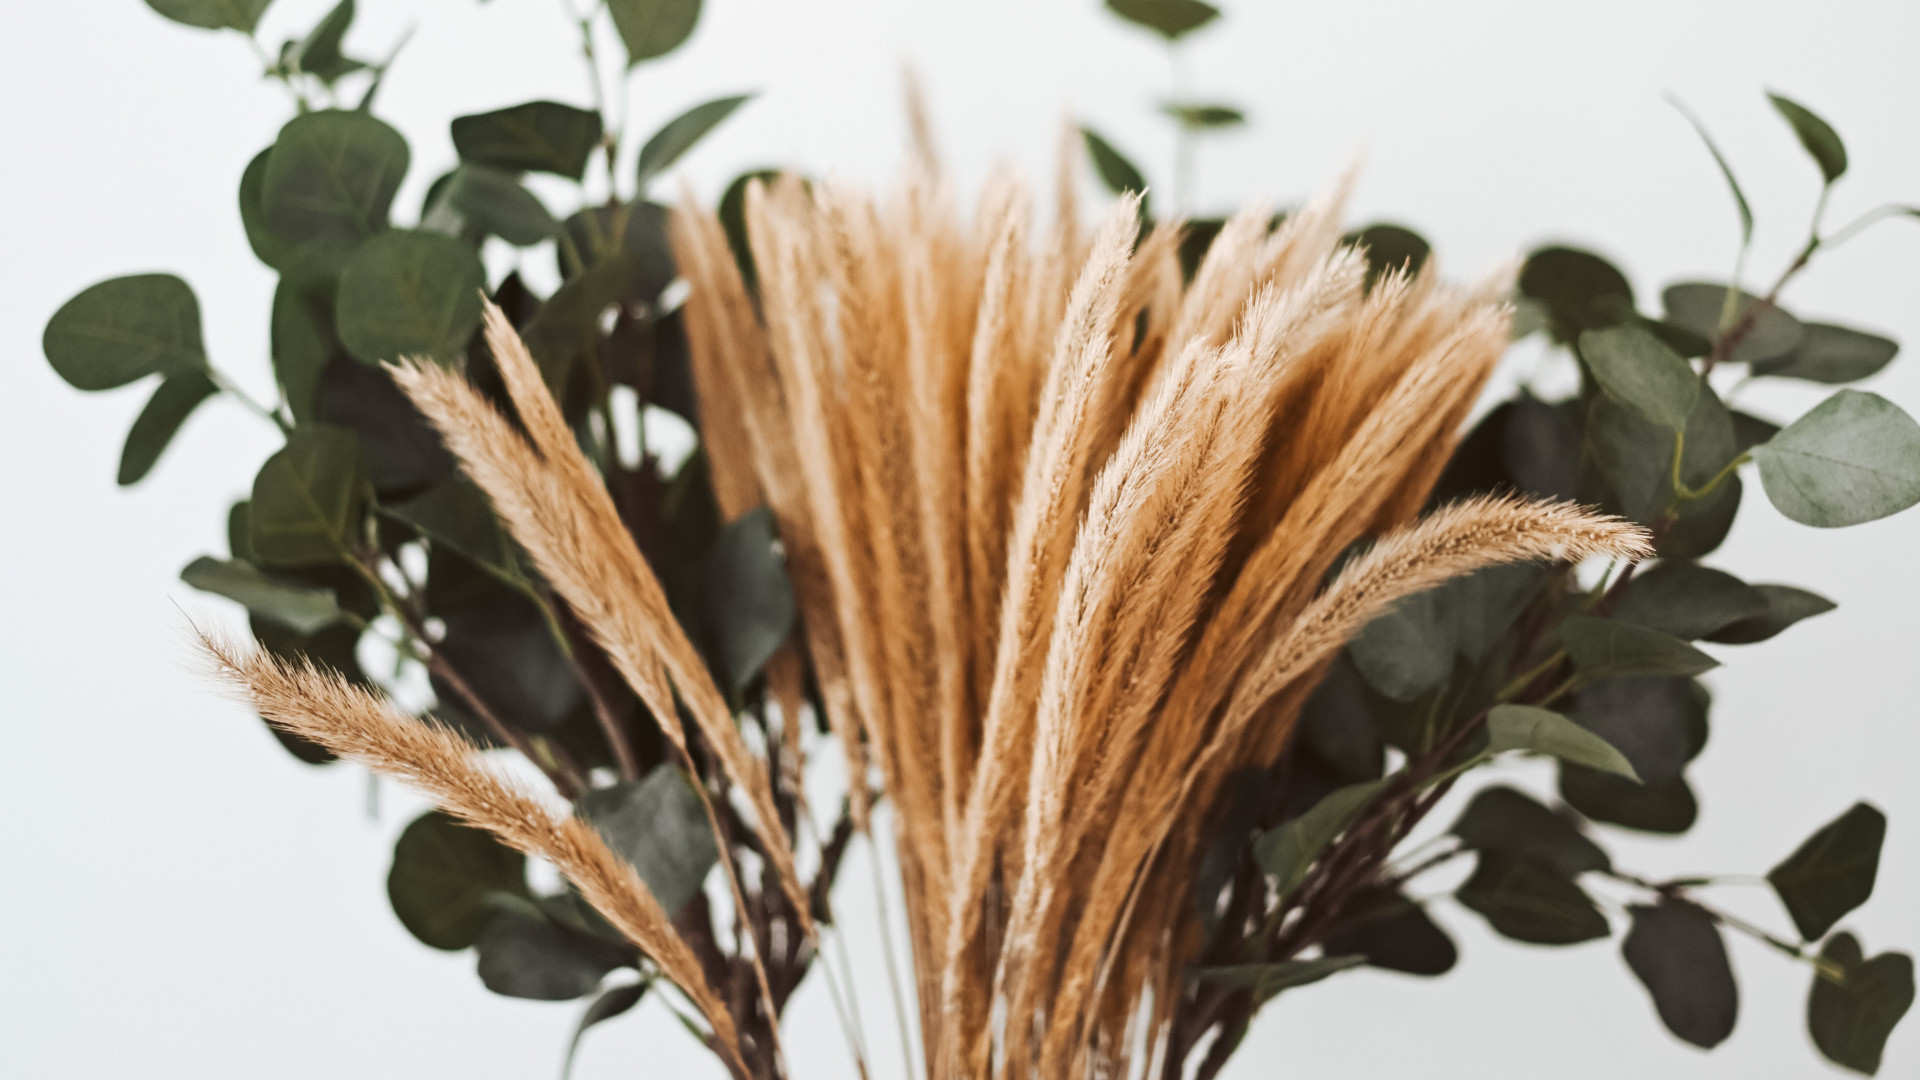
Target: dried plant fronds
(355,724)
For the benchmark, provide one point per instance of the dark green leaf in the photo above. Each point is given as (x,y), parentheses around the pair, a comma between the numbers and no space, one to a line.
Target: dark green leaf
(1196,238)
(1750,431)
(507,654)
(540,136)
(1538,448)
(404,454)
(1604,648)
(733,219)
(1407,649)
(1632,471)
(303,340)
(1851,1019)
(308,498)
(457,513)
(1832,872)
(490,200)
(1581,290)
(444,879)
(1527,900)
(304,609)
(268,246)
(1335,725)
(531,958)
(1638,371)
(1786,605)
(178,395)
(241,15)
(678,136)
(653,28)
(1676,952)
(410,294)
(1660,808)
(1171,19)
(319,55)
(1114,170)
(124,329)
(1739,197)
(749,600)
(614,1002)
(1543,731)
(1502,819)
(329,183)
(1854,457)
(1287,852)
(1196,117)
(1699,306)
(1822,142)
(1267,980)
(1688,601)
(1658,723)
(658,825)
(1394,933)
(1389,248)
(1831,354)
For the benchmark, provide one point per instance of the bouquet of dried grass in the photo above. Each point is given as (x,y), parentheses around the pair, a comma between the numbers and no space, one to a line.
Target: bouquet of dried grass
(1066,532)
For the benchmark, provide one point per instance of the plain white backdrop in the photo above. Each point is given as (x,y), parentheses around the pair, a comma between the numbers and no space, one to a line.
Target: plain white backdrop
(182,899)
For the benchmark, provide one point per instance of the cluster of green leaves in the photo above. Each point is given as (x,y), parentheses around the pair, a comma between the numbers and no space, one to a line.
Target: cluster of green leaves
(1602,677)
(360,535)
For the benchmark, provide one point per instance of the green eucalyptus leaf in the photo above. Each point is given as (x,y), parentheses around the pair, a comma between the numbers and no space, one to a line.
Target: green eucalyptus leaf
(1286,853)
(1832,872)
(268,246)
(458,514)
(1688,601)
(1528,900)
(1821,141)
(175,399)
(539,136)
(303,340)
(494,201)
(241,15)
(1394,933)
(319,53)
(1581,290)
(1851,1018)
(1199,117)
(1389,248)
(1675,950)
(1750,431)
(1831,354)
(1267,980)
(124,329)
(1854,457)
(1543,731)
(308,498)
(1697,307)
(1407,649)
(658,825)
(445,877)
(1171,19)
(680,134)
(749,601)
(651,28)
(1668,808)
(329,183)
(1658,723)
(614,1002)
(1502,819)
(304,609)
(1639,371)
(1786,605)
(410,294)
(1116,173)
(1605,648)
(733,219)
(533,959)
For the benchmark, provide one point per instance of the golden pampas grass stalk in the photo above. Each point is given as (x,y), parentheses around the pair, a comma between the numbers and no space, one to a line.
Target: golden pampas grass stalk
(1059,524)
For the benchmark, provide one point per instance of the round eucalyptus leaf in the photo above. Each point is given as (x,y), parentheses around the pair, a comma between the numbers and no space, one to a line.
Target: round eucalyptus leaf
(410,294)
(1528,900)
(749,601)
(1503,819)
(124,329)
(494,201)
(308,498)
(1580,289)
(531,958)
(1851,1017)
(1832,872)
(1535,730)
(657,824)
(1668,808)
(330,181)
(1854,457)
(539,136)
(303,340)
(1688,601)
(241,15)
(1390,247)
(651,28)
(304,609)
(680,134)
(268,246)
(1393,933)
(1832,354)
(1675,950)
(445,876)
(1786,605)
(1637,370)
(1658,723)
(1171,19)
(1696,307)
(1604,648)
(178,395)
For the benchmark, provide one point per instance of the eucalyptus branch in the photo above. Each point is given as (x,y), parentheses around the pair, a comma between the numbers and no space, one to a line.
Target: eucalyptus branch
(231,389)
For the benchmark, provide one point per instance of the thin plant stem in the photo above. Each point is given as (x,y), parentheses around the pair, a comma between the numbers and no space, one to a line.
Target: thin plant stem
(231,389)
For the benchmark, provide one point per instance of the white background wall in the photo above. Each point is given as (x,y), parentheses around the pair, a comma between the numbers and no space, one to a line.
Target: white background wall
(181,898)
